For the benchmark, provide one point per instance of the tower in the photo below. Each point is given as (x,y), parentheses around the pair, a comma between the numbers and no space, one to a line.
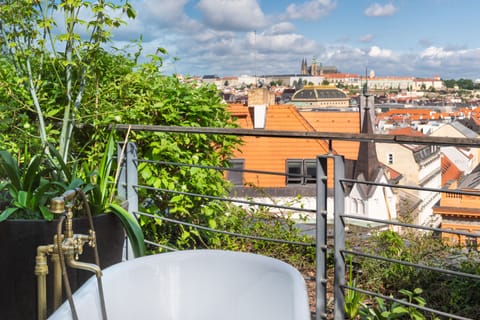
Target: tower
(314,71)
(304,68)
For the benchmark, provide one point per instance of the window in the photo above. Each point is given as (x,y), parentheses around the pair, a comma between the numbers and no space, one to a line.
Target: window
(310,170)
(236,175)
(294,171)
(390,158)
(301,171)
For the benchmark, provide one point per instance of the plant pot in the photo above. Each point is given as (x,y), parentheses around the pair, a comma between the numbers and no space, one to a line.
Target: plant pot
(19,240)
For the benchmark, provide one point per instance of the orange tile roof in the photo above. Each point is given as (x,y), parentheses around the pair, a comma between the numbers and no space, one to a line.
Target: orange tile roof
(406,131)
(450,171)
(417,114)
(270,154)
(391,173)
(337,121)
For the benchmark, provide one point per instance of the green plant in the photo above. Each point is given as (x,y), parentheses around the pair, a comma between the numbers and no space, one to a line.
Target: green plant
(353,299)
(384,275)
(26,191)
(262,222)
(47,85)
(395,310)
(101,187)
(48,68)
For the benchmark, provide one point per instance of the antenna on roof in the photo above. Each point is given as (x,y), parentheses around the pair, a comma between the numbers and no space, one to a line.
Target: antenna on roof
(255,55)
(365,88)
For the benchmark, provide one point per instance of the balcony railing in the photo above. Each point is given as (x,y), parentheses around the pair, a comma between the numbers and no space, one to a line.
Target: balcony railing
(337,247)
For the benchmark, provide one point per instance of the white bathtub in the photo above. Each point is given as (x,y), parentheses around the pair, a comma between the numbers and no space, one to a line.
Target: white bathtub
(195,285)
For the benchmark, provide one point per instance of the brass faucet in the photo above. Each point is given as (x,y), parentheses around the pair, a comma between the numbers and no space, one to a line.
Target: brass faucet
(65,250)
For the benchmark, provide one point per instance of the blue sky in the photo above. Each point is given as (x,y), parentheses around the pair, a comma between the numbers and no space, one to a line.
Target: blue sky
(419,38)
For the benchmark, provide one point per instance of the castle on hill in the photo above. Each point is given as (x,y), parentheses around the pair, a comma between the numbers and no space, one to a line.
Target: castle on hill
(316,69)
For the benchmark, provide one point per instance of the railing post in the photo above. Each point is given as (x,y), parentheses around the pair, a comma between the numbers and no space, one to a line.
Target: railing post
(321,239)
(339,237)
(127,180)
(128,177)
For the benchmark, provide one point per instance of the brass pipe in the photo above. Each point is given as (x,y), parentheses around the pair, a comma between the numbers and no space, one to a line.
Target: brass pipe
(57,281)
(65,251)
(61,248)
(71,262)
(41,271)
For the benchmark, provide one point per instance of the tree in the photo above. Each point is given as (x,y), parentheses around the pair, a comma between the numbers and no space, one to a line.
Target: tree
(450,83)
(144,96)
(51,64)
(91,85)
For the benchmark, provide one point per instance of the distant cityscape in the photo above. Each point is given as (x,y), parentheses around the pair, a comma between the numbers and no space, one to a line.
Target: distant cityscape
(405,90)
(321,99)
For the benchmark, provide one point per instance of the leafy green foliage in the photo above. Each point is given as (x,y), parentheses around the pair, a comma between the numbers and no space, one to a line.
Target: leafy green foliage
(454,294)
(132,228)
(385,310)
(387,276)
(27,189)
(49,71)
(353,299)
(448,293)
(264,223)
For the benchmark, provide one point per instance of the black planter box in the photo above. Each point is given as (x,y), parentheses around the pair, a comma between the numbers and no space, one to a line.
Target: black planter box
(19,240)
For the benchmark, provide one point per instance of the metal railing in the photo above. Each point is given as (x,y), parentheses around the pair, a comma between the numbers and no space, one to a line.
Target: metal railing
(129,186)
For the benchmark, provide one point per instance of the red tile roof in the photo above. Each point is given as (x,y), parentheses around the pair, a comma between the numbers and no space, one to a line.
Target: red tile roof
(337,121)
(270,154)
(406,131)
(450,171)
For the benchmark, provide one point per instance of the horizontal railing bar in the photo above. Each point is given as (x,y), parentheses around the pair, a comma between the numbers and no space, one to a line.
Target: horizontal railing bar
(224,168)
(346,180)
(409,187)
(253,203)
(378,138)
(413,265)
(160,245)
(225,232)
(413,226)
(406,303)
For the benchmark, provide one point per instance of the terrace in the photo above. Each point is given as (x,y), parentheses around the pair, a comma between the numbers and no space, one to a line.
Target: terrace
(336,251)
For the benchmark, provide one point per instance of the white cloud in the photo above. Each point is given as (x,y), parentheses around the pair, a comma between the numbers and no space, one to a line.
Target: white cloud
(377,10)
(450,60)
(281,28)
(376,52)
(435,53)
(165,11)
(345,54)
(217,42)
(232,14)
(280,42)
(310,10)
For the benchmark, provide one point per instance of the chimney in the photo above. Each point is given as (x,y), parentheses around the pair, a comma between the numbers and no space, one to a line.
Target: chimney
(259,116)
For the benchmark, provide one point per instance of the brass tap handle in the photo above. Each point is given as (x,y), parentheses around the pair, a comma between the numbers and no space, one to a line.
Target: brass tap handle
(69,221)
(92,238)
(57,205)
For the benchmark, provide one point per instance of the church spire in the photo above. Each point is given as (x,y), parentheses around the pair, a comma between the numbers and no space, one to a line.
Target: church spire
(367,161)
(304,67)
